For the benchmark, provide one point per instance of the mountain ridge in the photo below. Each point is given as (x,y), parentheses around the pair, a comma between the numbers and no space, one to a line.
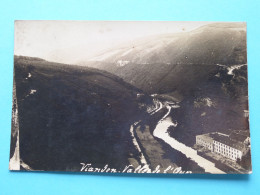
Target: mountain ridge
(178,62)
(217,43)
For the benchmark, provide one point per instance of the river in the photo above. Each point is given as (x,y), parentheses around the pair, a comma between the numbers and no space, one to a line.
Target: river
(160,132)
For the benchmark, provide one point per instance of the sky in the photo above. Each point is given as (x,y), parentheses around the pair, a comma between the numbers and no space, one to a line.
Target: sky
(72,41)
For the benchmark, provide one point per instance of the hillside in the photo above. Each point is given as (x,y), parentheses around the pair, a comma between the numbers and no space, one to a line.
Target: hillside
(70,115)
(220,105)
(175,62)
(218,43)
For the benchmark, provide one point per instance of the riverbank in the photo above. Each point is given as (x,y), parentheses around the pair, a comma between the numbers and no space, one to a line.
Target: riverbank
(161,132)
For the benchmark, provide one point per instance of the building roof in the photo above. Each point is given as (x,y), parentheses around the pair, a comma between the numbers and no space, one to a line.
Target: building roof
(227,141)
(238,137)
(205,137)
(242,132)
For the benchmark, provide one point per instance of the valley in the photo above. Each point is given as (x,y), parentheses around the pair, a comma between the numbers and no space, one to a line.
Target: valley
(140,104)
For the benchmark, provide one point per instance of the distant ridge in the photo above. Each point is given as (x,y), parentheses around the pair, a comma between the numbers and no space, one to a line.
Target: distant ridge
(217,43)
(176,62)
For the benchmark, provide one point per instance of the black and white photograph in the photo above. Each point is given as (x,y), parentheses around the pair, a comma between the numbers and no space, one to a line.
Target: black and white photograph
(130,97)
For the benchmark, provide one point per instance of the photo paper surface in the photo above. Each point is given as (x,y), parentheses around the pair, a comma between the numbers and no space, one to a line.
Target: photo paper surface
(130,97)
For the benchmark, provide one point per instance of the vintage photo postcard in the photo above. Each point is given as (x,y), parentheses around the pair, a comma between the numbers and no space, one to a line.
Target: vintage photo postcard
(130,97)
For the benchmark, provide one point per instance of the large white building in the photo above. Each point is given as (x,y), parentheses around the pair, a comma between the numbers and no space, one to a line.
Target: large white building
(205,140)
(232,146)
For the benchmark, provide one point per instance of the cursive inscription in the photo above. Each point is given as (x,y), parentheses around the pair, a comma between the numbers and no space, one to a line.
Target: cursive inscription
(87,167)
